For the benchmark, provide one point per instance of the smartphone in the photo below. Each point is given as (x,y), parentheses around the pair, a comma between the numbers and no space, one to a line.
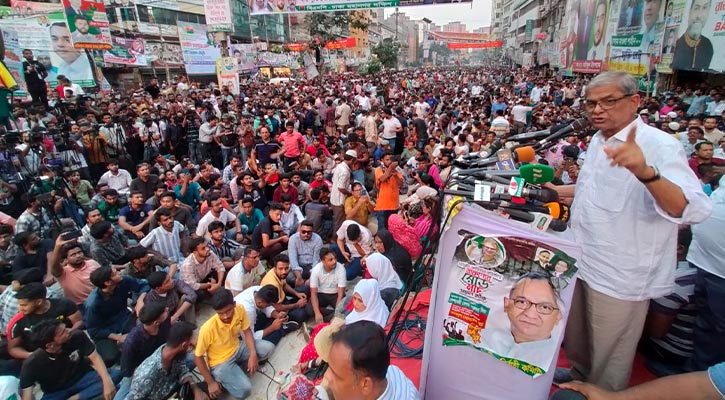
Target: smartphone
(72,234)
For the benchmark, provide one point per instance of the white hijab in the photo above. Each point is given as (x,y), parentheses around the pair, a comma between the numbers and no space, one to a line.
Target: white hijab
(375,309)
(382,270)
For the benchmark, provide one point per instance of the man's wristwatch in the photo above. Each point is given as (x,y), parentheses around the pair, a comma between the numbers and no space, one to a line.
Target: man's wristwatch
(655,177)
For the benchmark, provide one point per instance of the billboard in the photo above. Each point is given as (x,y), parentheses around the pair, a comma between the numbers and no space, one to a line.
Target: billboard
(228,74)
(218,15)
(88,24)
(163,54)
(198,48)
(126,52)
(694,37)
(45,31)
(259,7)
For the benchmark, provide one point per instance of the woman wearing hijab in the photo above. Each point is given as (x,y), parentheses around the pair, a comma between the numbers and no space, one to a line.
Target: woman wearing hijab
(399,256)
(380,268)
(367,305)
(405,235)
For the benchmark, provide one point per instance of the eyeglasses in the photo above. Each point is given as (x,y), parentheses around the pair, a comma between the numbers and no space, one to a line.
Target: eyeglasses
(604,104)
(305,232)
(522,303)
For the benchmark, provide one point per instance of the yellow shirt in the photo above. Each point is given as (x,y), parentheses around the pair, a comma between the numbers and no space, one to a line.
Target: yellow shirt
(362,215)
(219,341)
(270,278)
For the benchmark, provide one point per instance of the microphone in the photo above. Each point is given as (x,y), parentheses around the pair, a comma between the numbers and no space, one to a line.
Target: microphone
(537,220)
(519,155)
(577,125)
(530,135)
(537,174)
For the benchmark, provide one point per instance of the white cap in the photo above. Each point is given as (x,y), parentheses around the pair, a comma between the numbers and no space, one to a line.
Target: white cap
(672,114)
(674,126)
(351,153)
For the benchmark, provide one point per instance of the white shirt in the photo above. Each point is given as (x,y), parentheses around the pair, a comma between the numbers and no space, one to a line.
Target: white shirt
(121,182)
(628,241)
(238,279)
(246,299)
(390,127)
(340,179)
(366,239)
(536,94)
(707,250)
(225,216)
(290,219)
(327,282)
(364,102)
(165,242)
(519,112)
(421,109)
(399,386)
(538,353)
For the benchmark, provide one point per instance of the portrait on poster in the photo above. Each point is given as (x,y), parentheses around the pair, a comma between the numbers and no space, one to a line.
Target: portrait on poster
(504,299)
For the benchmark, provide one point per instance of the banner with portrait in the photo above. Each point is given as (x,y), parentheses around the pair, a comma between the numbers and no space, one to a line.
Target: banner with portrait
(163,54)
(198,48)
(635,42)
(46,33)
(88,24)
(126,52)
(694,39)
(228,74)
(246,55)
(501,297)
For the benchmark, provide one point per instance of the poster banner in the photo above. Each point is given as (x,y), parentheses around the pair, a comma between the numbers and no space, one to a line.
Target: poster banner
(277,60)
(694,38)
(162,54)
(246,56)
(259,7)
(635,37)
(218,15)
(343,43)
(493,44)
(88,24)
(126,52)
(228,74)
(198,48)
(310,67)
(47,34)
(501,297)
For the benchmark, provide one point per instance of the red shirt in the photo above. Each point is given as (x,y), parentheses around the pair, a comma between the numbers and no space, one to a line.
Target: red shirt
(694,162)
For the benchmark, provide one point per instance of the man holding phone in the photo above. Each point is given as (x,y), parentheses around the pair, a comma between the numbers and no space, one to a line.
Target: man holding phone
(387,180)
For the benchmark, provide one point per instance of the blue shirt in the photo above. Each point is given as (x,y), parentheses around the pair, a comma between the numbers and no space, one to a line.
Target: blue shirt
(192,196)
(717,376)
(105,315)
(135,217)
(251,222)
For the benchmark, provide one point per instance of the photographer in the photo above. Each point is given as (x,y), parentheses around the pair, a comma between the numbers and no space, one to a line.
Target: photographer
(95,144)
(116,135)
(69,148)
(191,125)
(35,74)
(150,135)
(227,138)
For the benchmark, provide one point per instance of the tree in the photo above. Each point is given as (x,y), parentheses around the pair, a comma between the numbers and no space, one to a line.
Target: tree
(387,52)
(329,26)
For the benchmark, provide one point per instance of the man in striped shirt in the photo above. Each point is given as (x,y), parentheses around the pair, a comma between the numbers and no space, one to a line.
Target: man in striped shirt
(169,238)
(229,251)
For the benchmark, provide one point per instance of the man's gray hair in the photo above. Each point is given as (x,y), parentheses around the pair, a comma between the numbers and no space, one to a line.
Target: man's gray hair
(539,276)
(622,80)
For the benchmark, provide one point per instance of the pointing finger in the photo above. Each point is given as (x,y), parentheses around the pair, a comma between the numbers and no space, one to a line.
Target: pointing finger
(632,134)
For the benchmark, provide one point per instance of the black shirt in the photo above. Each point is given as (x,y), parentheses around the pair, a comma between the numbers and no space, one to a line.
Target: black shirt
(58,371)
(421,129)
(147,188)
(60,309)
(38,260)
(264,226)
(265,151)
(34,78)
(153,90)
(257,195)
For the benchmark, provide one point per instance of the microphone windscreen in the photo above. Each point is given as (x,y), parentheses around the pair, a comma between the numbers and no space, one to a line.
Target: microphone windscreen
(547,195)
(558,210)
(537,174)
(525,154)
(557,225)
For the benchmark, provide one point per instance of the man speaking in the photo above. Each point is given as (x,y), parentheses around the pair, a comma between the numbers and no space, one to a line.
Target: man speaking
(633,190)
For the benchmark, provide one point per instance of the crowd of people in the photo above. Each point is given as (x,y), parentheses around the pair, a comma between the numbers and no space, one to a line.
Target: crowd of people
(125,212)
